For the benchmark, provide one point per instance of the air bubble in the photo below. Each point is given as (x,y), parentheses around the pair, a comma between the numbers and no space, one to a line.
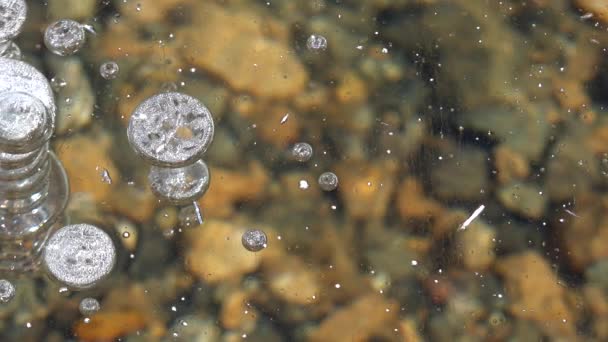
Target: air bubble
(301,151)
(7,291)
(328,181)
(254,240)
(171,129)
(316,42)
(23,121)
(64,37)
(12,17)
(180,185)
(79,255)
(109,70)
(89,306)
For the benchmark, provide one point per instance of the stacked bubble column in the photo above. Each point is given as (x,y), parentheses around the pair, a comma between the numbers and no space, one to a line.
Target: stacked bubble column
(12,17)
(33,183)
(172,131)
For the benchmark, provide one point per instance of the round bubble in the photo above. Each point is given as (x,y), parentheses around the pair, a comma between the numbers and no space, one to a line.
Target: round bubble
(109,70)
(64,37)
(20,77)
(316,42)
(180,185)
(171,129)
(254,240)
(12,17)
(88,306)
(301,151)
(7,291)
(328,181)
(79,255)
(24,121)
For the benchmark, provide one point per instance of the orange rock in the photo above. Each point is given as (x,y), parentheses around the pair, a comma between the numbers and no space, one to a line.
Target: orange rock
(597,141)
(236,314)
(153,11)
(510,165)
(368,315)
(231,44)
(413,203)
(570,94)
(136,204)
(599,8)
(585,236)
(351,89)
(366,188)
(524,275)
(229,187)
(215,252)
(448,222)
(273,131)
(108,326)
(292,281)
(84,159)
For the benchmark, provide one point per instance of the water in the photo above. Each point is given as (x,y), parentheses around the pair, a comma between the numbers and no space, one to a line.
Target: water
(467,140)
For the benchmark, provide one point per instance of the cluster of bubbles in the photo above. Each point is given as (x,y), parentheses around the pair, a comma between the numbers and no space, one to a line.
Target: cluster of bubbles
(254,240)
(172,131)
(78,255)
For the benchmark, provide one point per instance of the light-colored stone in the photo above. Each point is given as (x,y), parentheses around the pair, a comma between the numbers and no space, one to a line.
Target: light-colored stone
(231,45)
(215,253)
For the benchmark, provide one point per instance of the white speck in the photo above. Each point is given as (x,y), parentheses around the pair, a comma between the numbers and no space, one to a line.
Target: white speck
(571,212)
(414,263)
(359,47)
(337,286)
(105,176)
(303,184)
(472,217)
(285,118)
(587,15)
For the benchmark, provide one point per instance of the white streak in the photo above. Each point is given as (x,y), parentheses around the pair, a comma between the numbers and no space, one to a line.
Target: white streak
(197,211)
(285,118)
(473,216)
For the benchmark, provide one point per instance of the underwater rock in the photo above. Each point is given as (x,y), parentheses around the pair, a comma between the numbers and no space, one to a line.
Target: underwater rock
(527,200)
(109,325)
(76,100)
(572,168)
(476,244)
(229,187)
(525,132)
(75,10)
(366,188)
(524,274)
(232,46)
(366,317)
(292,281)
(85,158)
(510,165)
(412,202)
(215,253)
(585,236)
(462,175)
